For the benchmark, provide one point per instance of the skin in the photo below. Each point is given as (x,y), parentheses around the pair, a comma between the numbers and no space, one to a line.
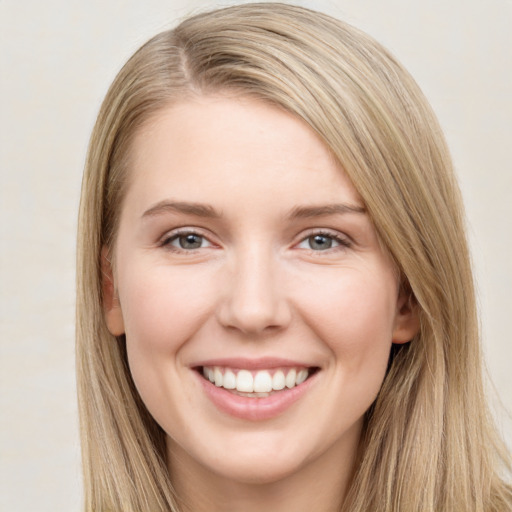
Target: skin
(257,286)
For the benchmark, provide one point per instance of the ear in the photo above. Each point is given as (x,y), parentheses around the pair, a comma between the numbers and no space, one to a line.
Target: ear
(111,305)
(407,321)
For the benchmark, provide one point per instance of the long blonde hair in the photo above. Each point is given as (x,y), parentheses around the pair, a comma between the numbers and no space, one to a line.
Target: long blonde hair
(428,443)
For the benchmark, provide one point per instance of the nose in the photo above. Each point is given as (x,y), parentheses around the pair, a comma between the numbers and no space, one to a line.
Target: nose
(253,300)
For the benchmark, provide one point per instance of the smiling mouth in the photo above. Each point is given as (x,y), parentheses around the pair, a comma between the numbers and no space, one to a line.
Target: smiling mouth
(256,384)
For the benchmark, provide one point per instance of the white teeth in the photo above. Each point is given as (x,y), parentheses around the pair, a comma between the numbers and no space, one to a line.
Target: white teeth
(262,382)
(290,379)
(301,377)
(229,380)
(217,374)
(244,381)
(278,381)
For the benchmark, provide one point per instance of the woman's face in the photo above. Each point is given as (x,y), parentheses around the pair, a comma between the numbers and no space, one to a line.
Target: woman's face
(245,255)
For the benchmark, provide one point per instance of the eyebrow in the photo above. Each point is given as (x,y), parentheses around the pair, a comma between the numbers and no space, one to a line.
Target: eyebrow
(197,209)
(304,212)
(207,211)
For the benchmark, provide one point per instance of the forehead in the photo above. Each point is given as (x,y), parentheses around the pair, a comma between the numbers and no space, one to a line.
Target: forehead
(210,147)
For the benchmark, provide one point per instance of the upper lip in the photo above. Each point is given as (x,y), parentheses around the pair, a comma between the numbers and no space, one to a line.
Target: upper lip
(252,363)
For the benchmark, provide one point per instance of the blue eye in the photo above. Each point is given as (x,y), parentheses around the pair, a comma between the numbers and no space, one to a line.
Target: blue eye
(322,242)
(187,241)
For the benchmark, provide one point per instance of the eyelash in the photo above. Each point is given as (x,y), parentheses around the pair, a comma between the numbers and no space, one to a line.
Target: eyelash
(344,242)
(175,235)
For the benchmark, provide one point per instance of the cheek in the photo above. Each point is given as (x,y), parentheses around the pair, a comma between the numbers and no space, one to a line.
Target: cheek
(164,306)
(357,304)
(354,317)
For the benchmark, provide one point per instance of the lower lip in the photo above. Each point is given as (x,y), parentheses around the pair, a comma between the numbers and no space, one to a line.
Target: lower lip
(253,408)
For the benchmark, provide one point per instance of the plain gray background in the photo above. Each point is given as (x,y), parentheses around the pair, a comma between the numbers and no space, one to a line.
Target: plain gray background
(57,59)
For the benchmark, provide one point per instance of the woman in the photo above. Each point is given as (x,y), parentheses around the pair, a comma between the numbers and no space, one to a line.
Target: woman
(275,300)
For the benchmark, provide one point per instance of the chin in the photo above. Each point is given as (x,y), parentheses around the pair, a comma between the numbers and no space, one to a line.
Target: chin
(246,460)
(258,472)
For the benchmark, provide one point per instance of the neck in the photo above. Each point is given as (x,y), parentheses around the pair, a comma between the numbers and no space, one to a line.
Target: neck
(319,485)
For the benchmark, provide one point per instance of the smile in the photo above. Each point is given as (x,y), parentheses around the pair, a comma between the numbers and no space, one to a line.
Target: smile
(255,389)
(260,383)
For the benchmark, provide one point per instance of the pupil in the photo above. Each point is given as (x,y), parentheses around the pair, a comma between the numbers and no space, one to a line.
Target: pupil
(320,242)
(190,241)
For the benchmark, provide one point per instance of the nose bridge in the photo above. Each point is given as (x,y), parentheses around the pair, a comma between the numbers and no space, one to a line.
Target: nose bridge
(254,301)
